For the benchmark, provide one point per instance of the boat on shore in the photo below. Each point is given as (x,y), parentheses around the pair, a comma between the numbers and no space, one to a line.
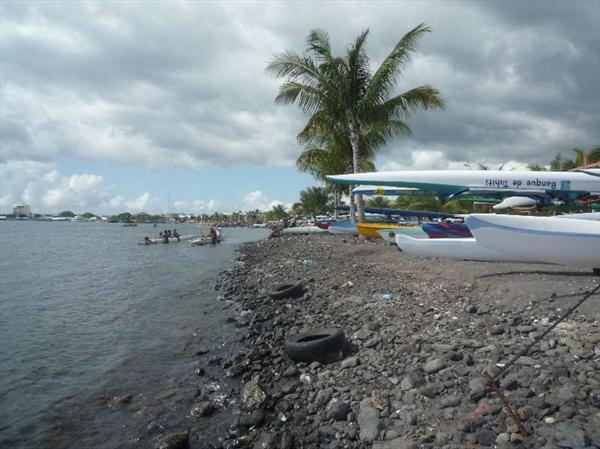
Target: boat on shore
(446,230)
(389,235)
(369,230)
(570,242)
(342,227)
(303,230)
(451,248)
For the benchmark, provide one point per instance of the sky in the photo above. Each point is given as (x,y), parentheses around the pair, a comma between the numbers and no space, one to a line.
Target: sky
(165,106)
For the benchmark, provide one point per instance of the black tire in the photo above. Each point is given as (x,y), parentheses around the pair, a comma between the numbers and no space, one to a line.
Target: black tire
(316,345)
(286,290)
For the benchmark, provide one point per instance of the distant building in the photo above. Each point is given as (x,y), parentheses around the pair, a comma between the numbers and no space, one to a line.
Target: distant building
(22,211)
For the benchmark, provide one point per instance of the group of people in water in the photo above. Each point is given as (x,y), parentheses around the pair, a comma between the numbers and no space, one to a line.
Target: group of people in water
(214,234)
(165,236)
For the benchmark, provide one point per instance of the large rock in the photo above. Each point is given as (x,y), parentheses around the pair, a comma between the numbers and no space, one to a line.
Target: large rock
(337,409)
(252,396)
(368,421)
(175,440)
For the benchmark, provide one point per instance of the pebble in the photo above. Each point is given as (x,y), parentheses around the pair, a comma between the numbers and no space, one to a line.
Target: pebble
(350,362)
(435,365)
(450,401)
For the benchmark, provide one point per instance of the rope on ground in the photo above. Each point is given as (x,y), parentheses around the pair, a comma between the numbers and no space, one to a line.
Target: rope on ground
(525,350)
(492,380)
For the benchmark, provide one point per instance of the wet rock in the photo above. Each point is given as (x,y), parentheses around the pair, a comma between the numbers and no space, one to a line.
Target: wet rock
(204,409)
(175,440)
(256,418)
(252,395)
(116,401)
(286,441)
(236,370)
(368,421)
(202,351)
(292,371)
(266,440)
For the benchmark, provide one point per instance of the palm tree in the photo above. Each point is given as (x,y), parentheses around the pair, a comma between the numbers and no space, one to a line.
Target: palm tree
(343,95)
(314,200)
(560,164)
(297,210)
(330,160)
(379,202)
(278,212)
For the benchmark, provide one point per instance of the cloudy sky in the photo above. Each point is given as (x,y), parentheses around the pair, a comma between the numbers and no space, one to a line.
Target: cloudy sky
(113,106)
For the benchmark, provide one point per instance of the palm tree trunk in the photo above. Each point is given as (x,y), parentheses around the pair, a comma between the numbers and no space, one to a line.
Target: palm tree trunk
(336,202)
(355,141)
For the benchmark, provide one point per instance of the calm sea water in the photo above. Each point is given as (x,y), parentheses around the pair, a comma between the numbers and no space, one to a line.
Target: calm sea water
(86,312)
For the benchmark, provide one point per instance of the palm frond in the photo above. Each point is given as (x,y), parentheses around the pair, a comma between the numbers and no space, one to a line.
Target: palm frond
(385,77)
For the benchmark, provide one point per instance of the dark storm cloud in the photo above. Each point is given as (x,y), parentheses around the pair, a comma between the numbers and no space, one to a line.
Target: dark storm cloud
(182,84)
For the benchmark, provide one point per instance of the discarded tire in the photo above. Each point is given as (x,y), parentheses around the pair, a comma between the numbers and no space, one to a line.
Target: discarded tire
(315,345)
(286,290)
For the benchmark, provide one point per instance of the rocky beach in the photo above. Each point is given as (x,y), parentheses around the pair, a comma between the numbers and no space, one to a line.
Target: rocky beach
(419,333)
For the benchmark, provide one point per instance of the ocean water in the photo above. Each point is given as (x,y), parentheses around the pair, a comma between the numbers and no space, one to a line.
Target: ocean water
(87,313)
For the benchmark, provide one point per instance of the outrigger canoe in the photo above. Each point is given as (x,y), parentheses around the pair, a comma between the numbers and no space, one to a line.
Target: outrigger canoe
(451,248)
(342,227)
(369,230)
(389,235)
(447,230)
(171,240)
(545,239)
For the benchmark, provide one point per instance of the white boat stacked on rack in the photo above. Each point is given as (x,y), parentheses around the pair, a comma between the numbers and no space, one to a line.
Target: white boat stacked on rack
(573,242)
(303,230)
(451,248)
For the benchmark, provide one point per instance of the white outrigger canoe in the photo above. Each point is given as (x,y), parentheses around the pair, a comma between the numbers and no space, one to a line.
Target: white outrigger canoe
(389,235)
(451,183)
(544,239)
(171,239)
(458,249)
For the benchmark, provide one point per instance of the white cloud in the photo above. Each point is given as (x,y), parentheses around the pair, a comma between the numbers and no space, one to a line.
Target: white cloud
(92,80)
(197,206)
(438,160)
(43,187)
(258,200)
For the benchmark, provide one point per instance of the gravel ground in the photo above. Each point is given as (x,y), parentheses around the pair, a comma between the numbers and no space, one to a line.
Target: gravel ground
(410,374)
